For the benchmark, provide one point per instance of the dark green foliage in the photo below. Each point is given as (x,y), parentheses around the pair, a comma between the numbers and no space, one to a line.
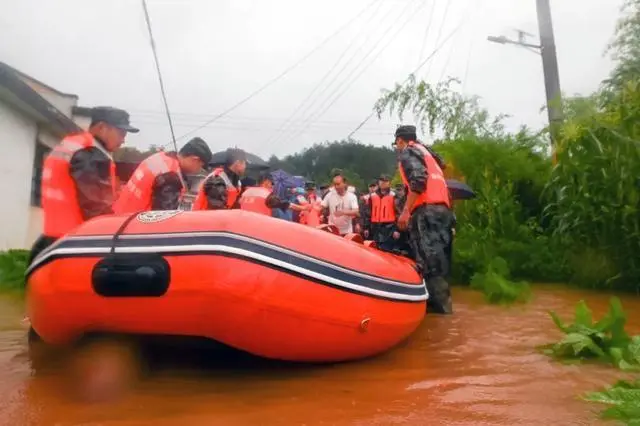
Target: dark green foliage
(133,155)
(496,285)
(595,191)
(505,220)
(505,223)
(360,163)
(13,264)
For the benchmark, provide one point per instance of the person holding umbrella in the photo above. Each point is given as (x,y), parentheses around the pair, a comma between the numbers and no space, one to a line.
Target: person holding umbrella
(221,189)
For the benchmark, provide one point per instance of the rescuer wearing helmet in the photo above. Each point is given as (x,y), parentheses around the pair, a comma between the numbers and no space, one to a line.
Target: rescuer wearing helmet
(78,176)
(158,182)
(426,214)
(221,188)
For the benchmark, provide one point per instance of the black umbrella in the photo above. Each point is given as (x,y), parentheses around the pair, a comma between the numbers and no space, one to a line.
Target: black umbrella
(459,190)
(253,161)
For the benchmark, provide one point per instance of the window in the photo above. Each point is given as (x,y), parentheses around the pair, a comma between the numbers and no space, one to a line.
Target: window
(36,179)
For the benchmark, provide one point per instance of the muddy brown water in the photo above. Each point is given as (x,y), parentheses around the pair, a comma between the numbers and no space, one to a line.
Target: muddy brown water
(478,367)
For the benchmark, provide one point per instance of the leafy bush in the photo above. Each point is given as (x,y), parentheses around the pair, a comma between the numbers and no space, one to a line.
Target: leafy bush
(504,220)
(13,264)
(497,287)
(604,340)
(624,401)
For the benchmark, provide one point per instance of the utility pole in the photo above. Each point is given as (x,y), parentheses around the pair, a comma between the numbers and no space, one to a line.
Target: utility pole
(547,49)
(550,67)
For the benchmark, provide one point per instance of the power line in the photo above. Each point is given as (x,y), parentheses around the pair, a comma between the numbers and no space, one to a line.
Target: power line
(310,108)
(472,39)
(444,18)
(339,95)
(245,124)
(155,57)
(333,67)
(433,53)
(451,34)
(446,63)
(282,74)
(427,30)
(367,118)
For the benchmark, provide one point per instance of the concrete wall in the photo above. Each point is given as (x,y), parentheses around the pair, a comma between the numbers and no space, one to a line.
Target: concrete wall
(17,148)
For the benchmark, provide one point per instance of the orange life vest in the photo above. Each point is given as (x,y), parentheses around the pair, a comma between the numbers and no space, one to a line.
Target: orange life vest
(200,202)
(437,191)
(383,208)
(60,203)
(137,194)
(254,199)
(311,217)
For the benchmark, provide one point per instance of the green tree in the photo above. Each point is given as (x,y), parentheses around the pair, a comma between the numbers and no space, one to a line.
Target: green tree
(625,47)
(507,171)
(360,163)
(129,154)
(440,108)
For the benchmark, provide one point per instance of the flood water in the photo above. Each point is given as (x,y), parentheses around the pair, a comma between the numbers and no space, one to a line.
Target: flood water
(478,367)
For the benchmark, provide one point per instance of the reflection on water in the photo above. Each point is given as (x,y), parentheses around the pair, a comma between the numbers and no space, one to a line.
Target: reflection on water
(478,367)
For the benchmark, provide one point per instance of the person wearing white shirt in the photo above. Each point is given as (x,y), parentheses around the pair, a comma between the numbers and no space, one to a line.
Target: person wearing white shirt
(342,205)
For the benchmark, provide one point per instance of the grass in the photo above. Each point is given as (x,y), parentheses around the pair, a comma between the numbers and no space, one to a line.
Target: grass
(13,264)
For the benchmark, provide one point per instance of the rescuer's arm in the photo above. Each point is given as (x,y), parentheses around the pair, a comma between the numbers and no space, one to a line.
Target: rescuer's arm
(90,170)
(166,191)
(273,202)
(216,191)
(322,206)
(416,172)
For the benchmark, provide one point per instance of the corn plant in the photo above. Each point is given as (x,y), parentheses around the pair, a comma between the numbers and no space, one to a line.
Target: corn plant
(595,189)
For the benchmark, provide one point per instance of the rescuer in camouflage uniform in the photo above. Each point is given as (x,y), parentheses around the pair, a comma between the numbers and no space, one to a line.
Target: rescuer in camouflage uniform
(429,224)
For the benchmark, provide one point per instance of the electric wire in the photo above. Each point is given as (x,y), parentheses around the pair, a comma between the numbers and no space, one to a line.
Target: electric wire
(337,92)
(279,76)
(155,57)
(299,107)
(415,71)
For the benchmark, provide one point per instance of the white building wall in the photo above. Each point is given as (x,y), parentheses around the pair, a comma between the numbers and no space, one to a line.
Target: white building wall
(82,121)
(17,148)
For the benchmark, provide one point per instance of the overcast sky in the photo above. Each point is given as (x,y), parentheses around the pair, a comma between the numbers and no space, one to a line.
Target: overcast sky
(214,53)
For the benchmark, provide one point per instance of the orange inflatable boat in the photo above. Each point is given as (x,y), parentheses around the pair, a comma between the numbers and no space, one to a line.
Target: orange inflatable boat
(266,286)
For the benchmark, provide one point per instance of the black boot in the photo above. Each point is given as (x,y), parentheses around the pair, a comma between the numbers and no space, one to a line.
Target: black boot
(439,296)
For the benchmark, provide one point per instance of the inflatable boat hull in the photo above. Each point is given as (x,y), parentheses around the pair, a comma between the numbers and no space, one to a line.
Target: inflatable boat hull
(262,285)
